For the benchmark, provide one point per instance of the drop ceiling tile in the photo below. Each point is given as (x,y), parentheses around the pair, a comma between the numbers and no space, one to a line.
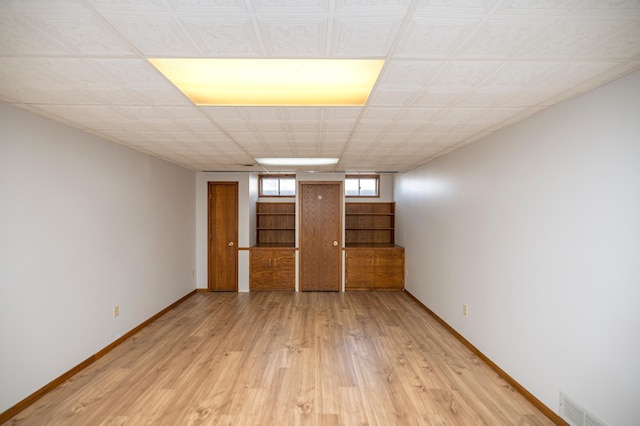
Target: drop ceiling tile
(301,138)
(19,36)
(304,126)
(296,36)
(624,44)
(302,113)
(608,8)
(419,114)
(233,126)
(571,39)
(276,138)
(502,38)
(342,113)
(357,37)
(268,126)
(83,115)
(381,113)
(406,74)
(208,6)
(80,30)
(246,138)
(518,75)
(438,99)
(337,125)
(372,126)
(24,74)
(131,72)
(385,97)
(129,6)
(459,76)
(456,56)
(330,138)
(455,7)
(226,36)
(535,8)
(431,38)
(154,35)
(224,113)
(289,6)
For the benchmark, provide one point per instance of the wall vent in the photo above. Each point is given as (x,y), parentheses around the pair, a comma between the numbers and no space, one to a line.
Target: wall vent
(575,415)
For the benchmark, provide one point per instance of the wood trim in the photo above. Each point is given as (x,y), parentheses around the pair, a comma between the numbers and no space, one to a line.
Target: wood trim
(365,176)
(555,418)
(17,408)
(266,175)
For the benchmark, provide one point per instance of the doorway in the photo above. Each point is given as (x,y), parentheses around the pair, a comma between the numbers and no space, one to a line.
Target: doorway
(320,236)
(223,236)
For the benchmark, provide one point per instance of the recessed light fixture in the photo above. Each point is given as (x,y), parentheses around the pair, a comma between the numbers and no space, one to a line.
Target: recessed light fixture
(272,82)
(297,161)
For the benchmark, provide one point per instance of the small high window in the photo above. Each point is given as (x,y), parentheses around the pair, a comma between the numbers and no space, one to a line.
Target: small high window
(362,186)
(277,185)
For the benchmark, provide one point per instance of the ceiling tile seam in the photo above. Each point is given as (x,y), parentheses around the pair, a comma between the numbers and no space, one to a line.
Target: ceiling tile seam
(399,36)
(45,34)
(125,40)
(226,133)
(613,36)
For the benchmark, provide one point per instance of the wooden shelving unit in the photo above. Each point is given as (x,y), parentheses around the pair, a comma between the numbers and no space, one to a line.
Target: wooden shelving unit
(276,224)
(373,261)
(368,224)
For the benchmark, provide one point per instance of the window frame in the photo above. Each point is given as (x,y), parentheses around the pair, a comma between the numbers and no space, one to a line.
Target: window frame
(278,176)
(369,176)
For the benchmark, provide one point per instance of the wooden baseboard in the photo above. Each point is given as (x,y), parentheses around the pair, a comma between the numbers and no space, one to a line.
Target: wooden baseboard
(555,418)
(202,290)
(12,411)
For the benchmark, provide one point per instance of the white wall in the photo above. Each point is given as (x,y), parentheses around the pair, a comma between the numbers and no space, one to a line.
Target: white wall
(85,225)
(537,229)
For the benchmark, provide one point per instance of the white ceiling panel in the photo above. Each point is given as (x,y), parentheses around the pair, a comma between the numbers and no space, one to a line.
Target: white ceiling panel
(455,71)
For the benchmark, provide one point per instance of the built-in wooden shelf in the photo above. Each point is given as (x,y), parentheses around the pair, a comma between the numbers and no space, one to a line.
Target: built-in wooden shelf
(276,224)
(369,223)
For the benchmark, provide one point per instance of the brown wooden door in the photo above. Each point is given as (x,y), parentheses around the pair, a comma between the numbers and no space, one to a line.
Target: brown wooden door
(320,236)
(223,236)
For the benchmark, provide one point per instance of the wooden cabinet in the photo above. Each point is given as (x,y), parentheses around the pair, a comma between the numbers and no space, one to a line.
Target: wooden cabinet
(374,268)
(272,269)
(276,224)
(369,223)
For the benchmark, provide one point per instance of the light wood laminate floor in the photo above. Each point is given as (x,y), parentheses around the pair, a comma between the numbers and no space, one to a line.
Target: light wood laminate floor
(269,358)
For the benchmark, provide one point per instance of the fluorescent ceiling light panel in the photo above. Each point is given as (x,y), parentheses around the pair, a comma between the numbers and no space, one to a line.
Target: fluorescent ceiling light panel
(268,82)
(297,161)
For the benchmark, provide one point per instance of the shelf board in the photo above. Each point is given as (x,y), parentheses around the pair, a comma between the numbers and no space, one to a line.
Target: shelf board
(276,229)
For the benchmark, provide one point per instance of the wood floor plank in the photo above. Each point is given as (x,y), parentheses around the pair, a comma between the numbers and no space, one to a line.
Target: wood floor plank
(276,358)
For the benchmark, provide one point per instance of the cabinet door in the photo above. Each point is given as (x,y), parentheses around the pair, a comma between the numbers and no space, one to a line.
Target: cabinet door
(360,269)
(284,270)
(389,269)
(260,270)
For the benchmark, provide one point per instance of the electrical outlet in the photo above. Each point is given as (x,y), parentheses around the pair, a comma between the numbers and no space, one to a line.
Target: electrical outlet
(116,311)
(465,310)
